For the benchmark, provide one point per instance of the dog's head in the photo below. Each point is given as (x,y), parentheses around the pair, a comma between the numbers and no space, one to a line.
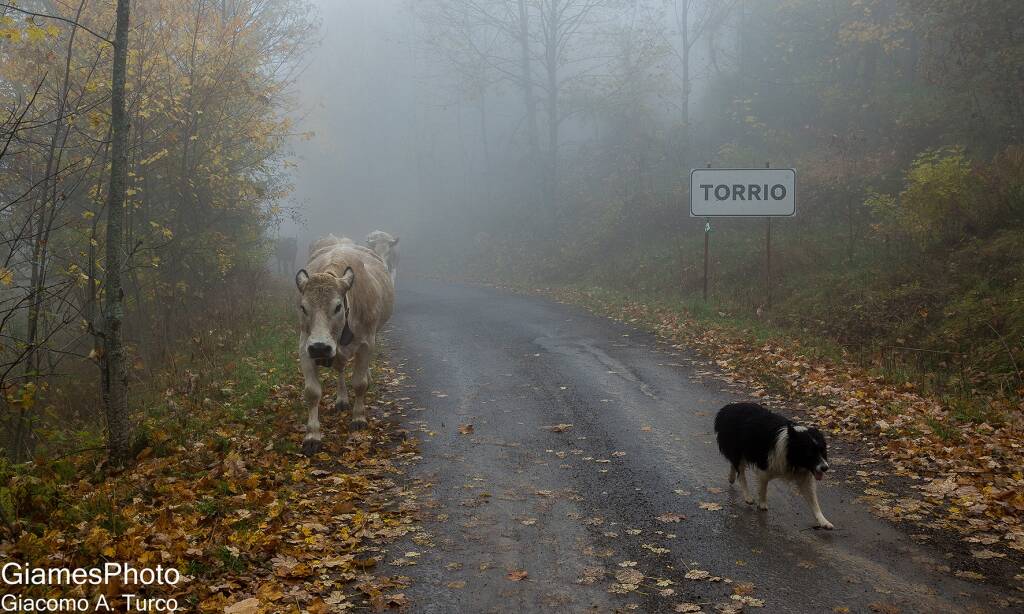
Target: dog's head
(807,450)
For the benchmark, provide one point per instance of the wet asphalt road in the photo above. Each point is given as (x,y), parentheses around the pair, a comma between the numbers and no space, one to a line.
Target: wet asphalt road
(513,496)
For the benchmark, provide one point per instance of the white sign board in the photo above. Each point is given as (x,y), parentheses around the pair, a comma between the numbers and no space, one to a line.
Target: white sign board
(742,192)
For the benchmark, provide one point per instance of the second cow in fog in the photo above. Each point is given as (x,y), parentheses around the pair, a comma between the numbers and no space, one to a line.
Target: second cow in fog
(385,246)
(345,297)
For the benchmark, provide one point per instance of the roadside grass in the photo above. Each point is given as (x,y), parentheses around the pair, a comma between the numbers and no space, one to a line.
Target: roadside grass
(937,436)
(218,488)
(966,408)
(710,314)
(164,425)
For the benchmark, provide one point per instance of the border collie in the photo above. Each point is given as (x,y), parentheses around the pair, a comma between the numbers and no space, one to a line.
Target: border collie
(749,434)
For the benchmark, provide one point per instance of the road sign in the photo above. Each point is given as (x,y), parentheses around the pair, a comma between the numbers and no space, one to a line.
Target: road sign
(742,192)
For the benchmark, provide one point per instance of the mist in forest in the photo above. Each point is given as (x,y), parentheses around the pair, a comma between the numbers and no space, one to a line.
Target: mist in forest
(418,111)
(549,142)
(530,142)
(165,164)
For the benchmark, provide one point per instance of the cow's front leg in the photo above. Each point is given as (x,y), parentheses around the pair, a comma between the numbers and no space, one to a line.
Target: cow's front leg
(311,395)
(341,401)
(360,381)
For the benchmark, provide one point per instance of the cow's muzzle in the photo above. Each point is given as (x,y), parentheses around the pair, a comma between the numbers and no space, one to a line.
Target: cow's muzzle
(320,351)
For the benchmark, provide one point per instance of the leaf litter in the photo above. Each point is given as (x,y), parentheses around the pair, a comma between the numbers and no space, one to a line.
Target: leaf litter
(968,474)
(252,525)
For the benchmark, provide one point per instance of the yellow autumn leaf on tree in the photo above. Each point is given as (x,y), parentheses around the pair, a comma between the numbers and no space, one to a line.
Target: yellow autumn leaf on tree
(28,396)
(6,276)
(35,33)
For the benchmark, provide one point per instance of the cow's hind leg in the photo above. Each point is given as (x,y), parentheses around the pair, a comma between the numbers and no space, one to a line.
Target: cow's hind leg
(311,395)
(360,382)
(341,400)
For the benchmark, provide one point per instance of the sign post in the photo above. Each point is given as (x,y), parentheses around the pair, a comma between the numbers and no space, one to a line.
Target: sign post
(768,265)
(707,241)
(707,245)
(743,192)
(768,259)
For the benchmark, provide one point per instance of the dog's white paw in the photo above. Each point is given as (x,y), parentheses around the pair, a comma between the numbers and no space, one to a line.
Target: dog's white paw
(824,525)
(749,500)
(763,507)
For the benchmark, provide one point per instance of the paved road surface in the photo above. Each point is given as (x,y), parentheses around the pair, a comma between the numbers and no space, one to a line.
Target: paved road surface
(513,496)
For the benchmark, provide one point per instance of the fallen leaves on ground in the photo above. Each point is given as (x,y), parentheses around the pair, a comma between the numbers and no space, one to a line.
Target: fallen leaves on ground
(516,575)
(558,428)
(749,602)
(968,472)
(251,524)
(246,606)
(591,575)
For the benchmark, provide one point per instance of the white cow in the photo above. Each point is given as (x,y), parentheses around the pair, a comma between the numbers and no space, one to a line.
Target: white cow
(345,297)
(385,246)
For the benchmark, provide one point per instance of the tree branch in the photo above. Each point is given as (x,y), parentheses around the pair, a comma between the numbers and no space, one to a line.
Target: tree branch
(58,18)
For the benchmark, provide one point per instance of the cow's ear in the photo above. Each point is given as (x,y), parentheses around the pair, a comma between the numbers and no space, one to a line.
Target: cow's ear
(300,280)
(394,241)
(348,279)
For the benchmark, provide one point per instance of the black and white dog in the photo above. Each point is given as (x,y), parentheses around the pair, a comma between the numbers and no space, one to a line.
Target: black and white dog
(749,434)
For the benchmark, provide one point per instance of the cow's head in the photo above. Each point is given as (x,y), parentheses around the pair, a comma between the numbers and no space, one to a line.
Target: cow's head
(323,312)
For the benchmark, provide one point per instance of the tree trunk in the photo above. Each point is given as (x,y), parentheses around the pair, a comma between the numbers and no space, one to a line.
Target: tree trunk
(115,377)
(485,144)
(527,77)
(684,33)
(554,31)
(553,121)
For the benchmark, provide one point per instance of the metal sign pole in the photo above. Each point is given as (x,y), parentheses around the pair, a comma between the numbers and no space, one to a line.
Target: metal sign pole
(768,258)
(768,263)
(707,245)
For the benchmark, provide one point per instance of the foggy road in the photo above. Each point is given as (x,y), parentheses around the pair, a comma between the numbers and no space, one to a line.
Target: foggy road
(620,490)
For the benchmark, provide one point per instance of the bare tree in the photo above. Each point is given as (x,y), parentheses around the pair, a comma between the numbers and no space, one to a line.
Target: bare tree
(695,20)
(561,22)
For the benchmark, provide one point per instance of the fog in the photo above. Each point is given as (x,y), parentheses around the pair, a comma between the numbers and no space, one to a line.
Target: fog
(532,142)
(615,218)
(418,121)
(358,170)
